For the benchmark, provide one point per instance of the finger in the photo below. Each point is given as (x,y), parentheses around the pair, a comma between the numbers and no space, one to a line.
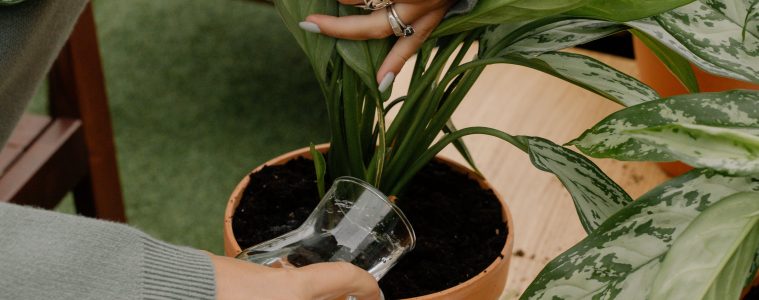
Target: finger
(406,47)
(365,27)
(333,280)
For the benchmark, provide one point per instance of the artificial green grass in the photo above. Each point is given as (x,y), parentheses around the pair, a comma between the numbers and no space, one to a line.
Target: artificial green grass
(200,93)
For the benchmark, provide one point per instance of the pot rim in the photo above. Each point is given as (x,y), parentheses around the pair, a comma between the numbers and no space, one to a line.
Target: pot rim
(232,248)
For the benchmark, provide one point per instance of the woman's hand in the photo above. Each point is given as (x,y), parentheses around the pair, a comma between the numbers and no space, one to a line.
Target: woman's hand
(422,15)
(237,279)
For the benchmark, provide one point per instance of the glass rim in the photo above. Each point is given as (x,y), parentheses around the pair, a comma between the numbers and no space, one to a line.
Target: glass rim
(384,198)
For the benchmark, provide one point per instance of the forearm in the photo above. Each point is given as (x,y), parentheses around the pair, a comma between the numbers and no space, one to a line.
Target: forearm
(46,255)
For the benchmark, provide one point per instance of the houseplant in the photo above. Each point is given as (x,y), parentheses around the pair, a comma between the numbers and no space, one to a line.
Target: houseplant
(653,72)
(633,248)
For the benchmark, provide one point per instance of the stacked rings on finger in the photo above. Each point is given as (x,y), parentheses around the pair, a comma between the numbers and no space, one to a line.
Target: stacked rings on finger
(399,28)
(376,4)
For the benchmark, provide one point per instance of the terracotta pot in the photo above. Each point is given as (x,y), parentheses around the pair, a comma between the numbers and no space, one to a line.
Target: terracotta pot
(656,75)
(487,285)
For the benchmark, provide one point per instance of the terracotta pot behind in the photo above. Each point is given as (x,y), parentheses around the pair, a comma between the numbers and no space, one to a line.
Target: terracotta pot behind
(656,75)
(753,284)
(485,286)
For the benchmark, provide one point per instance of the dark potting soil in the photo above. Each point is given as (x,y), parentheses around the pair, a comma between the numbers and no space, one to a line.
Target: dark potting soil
(458,225)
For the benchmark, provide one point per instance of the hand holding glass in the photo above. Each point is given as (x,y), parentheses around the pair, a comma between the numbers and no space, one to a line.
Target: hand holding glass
(354,223)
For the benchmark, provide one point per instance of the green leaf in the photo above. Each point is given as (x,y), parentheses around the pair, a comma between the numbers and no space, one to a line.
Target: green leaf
(364,57)
(723,149)
(320,165)
(712,35)
(461,146)
(613,136)
(592,75)
(679,66)
(318,47)
(352,98)
(488,12)
(595,195)
(620,259)
(425,157)
(711,258)
(626,10)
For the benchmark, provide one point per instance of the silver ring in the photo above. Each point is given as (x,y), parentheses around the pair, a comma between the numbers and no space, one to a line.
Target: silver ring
(399,28)
(375,4)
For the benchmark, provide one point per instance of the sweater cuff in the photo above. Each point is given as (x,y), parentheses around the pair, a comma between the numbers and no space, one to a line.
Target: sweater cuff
(172,272)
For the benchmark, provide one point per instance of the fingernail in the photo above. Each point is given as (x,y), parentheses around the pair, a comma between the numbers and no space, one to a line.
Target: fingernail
(309,26)
(382,295)
(386,82)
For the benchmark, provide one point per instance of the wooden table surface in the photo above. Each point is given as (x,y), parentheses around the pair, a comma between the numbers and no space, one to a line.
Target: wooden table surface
(522,101)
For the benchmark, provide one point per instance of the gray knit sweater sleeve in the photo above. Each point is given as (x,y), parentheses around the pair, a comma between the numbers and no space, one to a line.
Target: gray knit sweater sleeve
(31,35)
(48,255)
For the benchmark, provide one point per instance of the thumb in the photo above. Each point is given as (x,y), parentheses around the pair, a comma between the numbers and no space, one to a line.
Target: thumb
(337,279)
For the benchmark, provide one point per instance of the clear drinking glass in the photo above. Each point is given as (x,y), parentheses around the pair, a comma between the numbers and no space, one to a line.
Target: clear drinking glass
(354,223)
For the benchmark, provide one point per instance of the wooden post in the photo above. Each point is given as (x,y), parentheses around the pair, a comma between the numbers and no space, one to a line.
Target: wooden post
(77,90)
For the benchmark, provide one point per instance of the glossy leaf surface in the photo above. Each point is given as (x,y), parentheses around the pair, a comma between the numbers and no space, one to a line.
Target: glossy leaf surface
(621,259)
(711,258)
(720,36)
(733,113)
(596,196)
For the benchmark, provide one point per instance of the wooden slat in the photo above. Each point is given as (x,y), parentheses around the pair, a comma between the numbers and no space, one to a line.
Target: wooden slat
(519,100)
(55,162)
(28,129)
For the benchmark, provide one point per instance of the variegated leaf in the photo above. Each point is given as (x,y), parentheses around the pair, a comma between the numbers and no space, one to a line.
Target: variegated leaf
(591,74)
(732,151)
(712,34)
(653,29)
(489,12)
(621,258)
(595,195)
(752,19)
(613,136)
(562,35)
(711,258)
(496,37)
(626,10)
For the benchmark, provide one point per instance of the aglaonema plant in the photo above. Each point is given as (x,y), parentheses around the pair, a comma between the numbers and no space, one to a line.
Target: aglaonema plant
(694,237)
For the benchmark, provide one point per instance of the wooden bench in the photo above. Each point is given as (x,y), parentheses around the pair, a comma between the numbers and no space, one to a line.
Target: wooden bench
(73,148)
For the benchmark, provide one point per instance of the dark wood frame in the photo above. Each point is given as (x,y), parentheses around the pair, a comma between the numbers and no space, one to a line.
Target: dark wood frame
(73,149)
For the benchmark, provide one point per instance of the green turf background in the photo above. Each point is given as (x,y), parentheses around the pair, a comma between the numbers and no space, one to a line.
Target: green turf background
(200,93)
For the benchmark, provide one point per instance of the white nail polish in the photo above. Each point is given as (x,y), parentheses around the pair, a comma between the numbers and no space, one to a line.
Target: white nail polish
(310,27)
(382,295)
(386,82)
